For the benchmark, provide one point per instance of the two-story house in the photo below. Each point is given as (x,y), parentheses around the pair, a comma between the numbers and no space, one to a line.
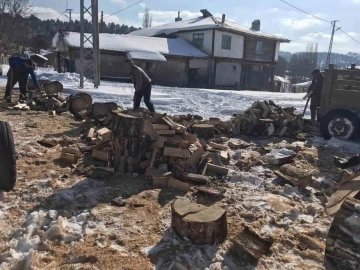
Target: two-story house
(241,57)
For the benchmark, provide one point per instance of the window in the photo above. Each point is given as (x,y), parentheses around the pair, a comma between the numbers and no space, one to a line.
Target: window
(259,47)
(198,40)
(226,42)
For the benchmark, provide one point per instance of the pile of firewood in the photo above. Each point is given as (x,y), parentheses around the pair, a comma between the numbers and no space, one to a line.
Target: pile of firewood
(265,118)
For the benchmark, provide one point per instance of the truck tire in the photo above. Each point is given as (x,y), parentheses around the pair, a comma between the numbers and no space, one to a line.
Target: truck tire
(7,158)
(340,123)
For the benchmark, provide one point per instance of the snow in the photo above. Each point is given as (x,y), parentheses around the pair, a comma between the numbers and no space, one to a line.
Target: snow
(152,56)
(126,43)
(201,23)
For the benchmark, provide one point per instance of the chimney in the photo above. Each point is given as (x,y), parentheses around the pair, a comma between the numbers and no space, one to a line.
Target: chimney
(255,25)
(206,13)
(223,19)
(178,19)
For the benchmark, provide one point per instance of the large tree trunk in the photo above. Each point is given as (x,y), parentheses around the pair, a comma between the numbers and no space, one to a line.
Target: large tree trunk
(202,225)
(343,241)
(128,144)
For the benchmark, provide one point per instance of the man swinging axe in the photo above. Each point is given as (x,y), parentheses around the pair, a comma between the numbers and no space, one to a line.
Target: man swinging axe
(18,73)
(314,93)
(142,84)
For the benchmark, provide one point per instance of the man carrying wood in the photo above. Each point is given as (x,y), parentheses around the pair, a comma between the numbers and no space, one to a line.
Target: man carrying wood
(316,88)
(142,84)
(19,71)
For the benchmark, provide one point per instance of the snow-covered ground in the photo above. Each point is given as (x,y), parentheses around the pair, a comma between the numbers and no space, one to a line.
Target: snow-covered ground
(172,100)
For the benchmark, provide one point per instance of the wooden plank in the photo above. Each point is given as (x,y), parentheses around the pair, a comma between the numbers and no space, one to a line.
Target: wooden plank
(218,146)
(160,127)
(190,138)
(107,119)
(224,157)
(161,181)
(217,169)
(176,152)
(103,131)
(197,178)
(163,132)
(173,183)
(91,135)
(106,136)
(150,130)
(175,126)
(72,150)
(348,72)
(100,155)
(153,157)
(196,156)
(69,158)
(346,82)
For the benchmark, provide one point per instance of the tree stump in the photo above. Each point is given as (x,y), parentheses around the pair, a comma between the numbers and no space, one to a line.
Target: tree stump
(343,241)
(128,145)
(202,225)
(206,131)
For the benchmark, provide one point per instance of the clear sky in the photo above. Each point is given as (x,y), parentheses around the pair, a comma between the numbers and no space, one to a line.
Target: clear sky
(276,17)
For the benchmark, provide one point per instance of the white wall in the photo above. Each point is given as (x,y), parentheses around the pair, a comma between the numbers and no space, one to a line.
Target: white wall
(188,36)
(237,45)
(226,75)
(277,49)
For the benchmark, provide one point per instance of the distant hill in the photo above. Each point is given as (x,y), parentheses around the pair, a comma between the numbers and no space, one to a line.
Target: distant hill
(340,60)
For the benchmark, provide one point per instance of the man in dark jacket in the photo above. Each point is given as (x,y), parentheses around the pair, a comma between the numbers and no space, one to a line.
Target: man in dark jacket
(142,84)
(18,73)
(316,88)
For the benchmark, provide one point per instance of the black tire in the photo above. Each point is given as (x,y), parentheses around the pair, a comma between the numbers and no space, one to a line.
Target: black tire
(340,123)
(7,158)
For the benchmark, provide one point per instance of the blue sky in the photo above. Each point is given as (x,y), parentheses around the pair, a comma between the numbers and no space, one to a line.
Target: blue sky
(276,17)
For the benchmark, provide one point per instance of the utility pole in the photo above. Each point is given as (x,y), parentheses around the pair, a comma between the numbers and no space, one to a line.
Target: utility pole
(331,44)
(92,68)
(102,21)
(70,11)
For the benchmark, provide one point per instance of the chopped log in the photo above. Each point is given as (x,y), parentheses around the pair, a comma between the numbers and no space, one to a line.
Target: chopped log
(163,132)
(150,130)
(72,150)
(100,155)
(214,119)
(180,129)
(52,113)
(106,169)
(218,146)
(69,157)
(342,243)
(196,156)
(202,225)
(153,157)
(224,139)
(234,146)
(176,152)
(196,178)
(91,135)
(215,159)
(210,191)
(190,138)
(106,137)
(217,169)
(174,183)
(225,157)
(48,142)
(161,181)
(161,127)
(251,243)
(202,167)
(58,85)
(57,103)
(206,131)
(103,131)
(294,181)
(51,89)
(157,144)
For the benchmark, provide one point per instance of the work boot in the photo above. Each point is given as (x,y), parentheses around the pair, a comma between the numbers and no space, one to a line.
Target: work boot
(7,99)
(22,98)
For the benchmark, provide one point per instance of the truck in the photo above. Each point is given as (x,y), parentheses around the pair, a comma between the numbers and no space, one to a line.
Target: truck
(340,103)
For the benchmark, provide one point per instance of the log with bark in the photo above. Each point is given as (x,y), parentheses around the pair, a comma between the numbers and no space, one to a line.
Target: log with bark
(128,145)
(202,225)
(206,131)
(343,241)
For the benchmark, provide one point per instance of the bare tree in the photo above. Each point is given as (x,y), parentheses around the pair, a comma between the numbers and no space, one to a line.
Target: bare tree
(147,19)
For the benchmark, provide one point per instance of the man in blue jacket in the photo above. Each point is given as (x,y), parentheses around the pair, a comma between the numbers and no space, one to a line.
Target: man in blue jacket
(19,71)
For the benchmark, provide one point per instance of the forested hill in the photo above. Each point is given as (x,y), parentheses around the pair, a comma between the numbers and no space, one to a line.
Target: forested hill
(340,60)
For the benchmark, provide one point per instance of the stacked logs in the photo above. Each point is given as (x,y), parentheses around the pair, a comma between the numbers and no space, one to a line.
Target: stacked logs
(265,118)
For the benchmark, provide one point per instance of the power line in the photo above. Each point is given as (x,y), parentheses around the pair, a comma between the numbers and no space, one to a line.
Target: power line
(350,36)
(305,11)
(313,34)
(123,9)
(61,15)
